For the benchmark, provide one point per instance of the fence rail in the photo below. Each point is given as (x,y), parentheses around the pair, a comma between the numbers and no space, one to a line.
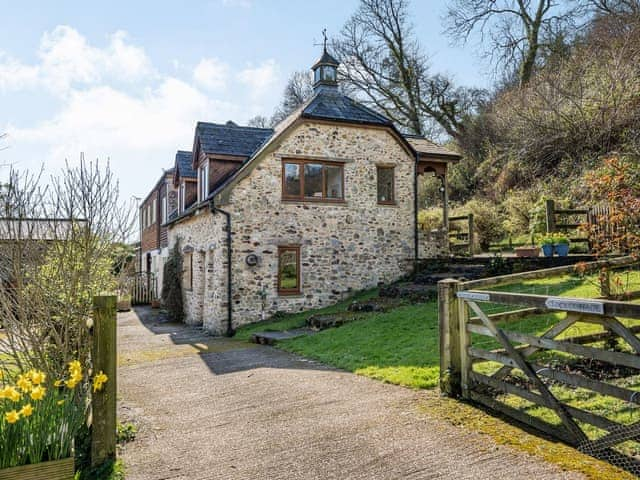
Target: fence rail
(534,366)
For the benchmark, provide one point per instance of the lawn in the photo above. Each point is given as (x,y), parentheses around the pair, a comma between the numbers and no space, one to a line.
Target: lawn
(400,346)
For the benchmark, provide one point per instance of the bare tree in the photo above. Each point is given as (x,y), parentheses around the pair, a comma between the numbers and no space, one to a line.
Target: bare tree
(259,121)
(298,90)
(384,64)
(514,33)
(616,7)
(61,245)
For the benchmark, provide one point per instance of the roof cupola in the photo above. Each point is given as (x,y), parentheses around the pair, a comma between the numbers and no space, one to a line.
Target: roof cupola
(325,70)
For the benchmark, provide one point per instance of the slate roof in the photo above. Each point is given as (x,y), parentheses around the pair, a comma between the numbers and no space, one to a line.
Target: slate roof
(426,147)
(183,162)
(332,105)
(230,139)
(326,59)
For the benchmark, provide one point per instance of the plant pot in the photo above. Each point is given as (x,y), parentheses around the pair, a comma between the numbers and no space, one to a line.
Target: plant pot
(527,252)
(124,305)
(547,250)
(155,303)
(55,470)
(562,249)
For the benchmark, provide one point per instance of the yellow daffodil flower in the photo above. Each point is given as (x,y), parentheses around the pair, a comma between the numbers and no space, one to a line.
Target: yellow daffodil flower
(99,380)
(58,383)
(12,416)
(71,383)
(11,393)
(60,402)
(38,392)
(37,377)
(24,383)
(75,367)
(26,410)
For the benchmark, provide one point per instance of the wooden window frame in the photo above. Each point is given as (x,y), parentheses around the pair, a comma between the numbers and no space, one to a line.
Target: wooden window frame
(289,291)
(301,197)
(393,184)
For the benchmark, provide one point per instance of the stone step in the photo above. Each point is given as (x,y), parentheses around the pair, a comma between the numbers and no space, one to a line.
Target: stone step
(271,338)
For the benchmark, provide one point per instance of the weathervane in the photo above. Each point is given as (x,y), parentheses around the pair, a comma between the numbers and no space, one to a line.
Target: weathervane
(324,41)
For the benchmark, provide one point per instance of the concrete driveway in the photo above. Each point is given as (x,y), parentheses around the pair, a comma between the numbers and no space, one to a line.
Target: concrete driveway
(221,409)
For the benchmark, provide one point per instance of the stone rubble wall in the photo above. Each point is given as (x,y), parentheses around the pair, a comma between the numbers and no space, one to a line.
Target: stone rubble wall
(433,243)
(344,247)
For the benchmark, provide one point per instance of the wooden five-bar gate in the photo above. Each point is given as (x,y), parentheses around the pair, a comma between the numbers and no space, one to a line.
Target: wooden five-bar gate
(464,323)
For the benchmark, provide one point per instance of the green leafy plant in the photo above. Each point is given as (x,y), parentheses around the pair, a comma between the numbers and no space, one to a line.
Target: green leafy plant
(560,239)
(547,240)
(40,418)
(126,432)
(171,285)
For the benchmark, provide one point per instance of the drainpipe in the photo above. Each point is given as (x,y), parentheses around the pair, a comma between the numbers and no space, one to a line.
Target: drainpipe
(230,331)
(415,214)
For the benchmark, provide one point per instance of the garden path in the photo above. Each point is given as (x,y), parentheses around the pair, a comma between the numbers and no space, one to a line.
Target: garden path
(212,408)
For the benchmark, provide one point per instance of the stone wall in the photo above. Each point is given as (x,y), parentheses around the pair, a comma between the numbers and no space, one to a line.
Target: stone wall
(343,247)
(433,243)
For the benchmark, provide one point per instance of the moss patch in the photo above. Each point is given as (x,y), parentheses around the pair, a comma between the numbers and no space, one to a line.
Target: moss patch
(503,433)
(176,351)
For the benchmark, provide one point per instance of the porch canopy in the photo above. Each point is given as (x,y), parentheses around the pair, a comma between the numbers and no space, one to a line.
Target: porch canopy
(434,159)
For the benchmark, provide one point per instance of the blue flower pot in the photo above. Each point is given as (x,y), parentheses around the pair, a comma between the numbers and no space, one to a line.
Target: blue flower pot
(547,250)
(562,249)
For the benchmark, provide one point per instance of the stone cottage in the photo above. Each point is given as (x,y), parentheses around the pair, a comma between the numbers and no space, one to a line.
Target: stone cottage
(299,216)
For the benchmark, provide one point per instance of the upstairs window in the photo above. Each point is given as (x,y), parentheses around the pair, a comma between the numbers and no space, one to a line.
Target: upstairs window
(289,270)
(204,181)
(312,181)
(165,204)
(154,208)
(386,191)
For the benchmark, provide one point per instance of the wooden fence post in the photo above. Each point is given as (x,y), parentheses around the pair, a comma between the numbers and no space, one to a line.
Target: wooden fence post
(605,282)
(104,352)
(550,215)
(449,326)
(471,235)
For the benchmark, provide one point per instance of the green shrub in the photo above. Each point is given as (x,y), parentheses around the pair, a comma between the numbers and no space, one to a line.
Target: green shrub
(430,219)
(488,221)
(171,285)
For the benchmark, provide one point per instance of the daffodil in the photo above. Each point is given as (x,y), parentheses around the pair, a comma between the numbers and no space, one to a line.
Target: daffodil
(58,383)
(75,367)
(26,410)
(12,394)
(60,402)
(70,383)
(37,377)
(12,416)
(24,383)
(99,380)
(38,392)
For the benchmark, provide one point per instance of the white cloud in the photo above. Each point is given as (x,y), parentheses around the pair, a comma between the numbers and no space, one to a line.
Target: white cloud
(260,78)
(16,75)
(112,103)
(211,73)
(67,59)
